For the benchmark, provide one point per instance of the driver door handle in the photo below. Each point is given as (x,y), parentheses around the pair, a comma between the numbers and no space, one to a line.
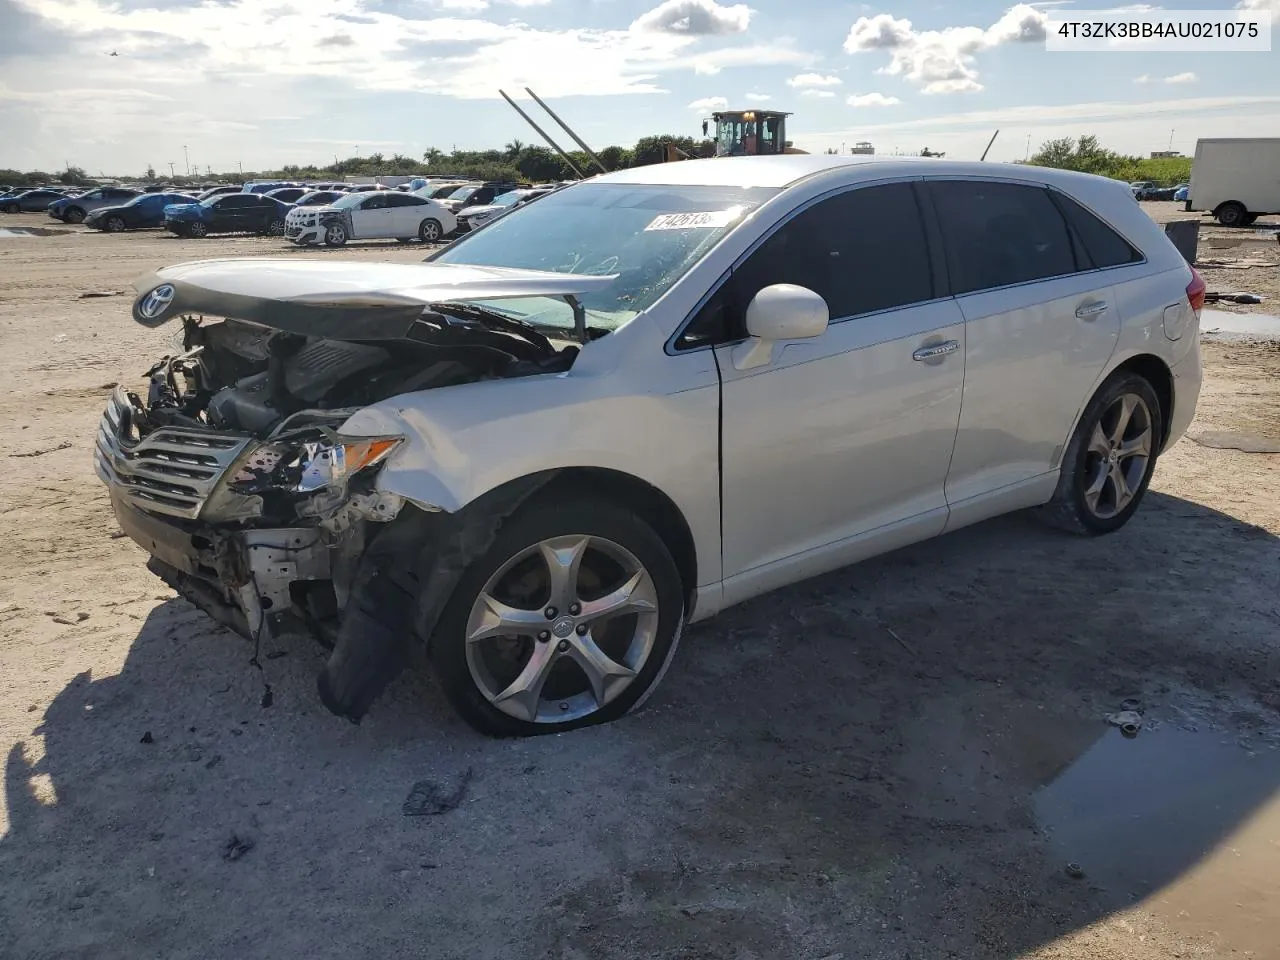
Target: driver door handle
(935,350)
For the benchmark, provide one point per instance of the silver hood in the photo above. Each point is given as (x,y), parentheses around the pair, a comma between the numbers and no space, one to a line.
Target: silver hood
(336,299)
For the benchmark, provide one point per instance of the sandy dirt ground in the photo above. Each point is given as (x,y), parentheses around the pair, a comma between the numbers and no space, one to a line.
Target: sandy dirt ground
(904,759)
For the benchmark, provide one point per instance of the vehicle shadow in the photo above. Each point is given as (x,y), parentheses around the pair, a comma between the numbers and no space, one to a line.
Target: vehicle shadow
(861,764)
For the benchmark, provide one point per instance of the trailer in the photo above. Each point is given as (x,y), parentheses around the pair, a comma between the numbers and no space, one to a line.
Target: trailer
(1237,179)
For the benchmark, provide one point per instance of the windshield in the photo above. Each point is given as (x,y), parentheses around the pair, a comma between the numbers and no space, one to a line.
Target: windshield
(647,235)
(346,201)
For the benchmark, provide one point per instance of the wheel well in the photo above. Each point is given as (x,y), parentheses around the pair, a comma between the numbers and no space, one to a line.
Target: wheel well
(1156,372)
(648,502)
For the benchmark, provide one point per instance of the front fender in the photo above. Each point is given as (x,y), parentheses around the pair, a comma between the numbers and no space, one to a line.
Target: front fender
(467,440)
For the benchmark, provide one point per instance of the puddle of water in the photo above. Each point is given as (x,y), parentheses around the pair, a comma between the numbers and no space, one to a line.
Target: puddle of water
(1218,324)
(1186,824)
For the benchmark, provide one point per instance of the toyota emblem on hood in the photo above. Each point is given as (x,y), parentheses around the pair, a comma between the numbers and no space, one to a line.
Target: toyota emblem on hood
(154,304)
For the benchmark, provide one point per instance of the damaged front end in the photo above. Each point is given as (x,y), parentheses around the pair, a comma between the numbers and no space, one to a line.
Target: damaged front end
(234,473)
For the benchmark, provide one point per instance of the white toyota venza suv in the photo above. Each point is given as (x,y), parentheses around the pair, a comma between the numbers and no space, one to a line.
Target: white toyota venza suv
(638,401)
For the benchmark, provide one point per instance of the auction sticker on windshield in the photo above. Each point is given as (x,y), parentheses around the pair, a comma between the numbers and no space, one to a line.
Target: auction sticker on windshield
(703,219)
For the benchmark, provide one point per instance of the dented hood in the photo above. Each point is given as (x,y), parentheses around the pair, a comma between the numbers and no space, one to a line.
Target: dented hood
(336,299)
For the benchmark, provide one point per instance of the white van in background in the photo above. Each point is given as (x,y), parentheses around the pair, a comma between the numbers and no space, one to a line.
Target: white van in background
(1236,179)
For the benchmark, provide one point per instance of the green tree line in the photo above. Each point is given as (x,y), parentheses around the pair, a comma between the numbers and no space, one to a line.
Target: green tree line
(1087,155)
(516,161)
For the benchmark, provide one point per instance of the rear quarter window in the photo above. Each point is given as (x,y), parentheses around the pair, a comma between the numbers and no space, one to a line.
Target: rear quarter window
(1102,245)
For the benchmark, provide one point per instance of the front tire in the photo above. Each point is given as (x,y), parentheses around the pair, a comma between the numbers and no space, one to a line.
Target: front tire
(335,235)
(1107,466)
(570,619)
(430,231)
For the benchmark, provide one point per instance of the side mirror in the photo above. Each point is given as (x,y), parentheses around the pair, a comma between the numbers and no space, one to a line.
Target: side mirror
(782,311)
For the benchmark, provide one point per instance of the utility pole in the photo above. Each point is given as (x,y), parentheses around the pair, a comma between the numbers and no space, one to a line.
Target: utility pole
(187,158)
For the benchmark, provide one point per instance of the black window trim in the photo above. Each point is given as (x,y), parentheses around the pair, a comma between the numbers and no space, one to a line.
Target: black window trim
(940,281)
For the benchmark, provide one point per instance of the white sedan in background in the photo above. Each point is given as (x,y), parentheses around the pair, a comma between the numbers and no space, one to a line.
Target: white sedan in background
(371,215)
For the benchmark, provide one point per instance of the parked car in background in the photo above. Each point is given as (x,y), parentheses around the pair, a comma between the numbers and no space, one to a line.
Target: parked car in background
(227,213)
(219,191)
(549,549)
(30,201)
(75,209)
(372,215)
(146,210)
(317,198)
(472,218)
(475,196)
(287,194)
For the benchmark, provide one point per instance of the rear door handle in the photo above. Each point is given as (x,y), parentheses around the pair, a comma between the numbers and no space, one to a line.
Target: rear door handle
(935,350)
(1091,310)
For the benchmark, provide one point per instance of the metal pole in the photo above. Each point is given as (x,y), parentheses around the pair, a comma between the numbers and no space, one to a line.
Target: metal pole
(542,133)
(989,143)
(576,139)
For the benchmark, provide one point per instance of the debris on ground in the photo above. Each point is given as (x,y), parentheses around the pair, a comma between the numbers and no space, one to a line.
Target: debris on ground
(1214,296)
(430,799)
(1227,440)
(236,847)
(1129,721)
(65,445)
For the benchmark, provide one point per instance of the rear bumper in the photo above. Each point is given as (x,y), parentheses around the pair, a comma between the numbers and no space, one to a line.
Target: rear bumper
(1188,375)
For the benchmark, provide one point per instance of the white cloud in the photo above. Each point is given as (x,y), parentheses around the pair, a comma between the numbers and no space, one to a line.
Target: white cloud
(942,61)
(757,97)
(1187,77)
(872,100)
(817,94)
(709,104)
(698,18)
(805,80)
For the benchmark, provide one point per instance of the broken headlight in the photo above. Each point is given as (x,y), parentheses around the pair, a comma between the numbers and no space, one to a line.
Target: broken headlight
(310,466)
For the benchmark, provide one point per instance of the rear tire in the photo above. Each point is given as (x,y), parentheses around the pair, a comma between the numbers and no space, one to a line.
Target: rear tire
(1107,466)
(620,557)
(1231,214)
(430,231)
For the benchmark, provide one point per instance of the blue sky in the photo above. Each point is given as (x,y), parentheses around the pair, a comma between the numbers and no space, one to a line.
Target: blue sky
(268,82)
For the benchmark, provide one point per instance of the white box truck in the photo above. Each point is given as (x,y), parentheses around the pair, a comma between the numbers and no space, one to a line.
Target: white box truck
(1236,179)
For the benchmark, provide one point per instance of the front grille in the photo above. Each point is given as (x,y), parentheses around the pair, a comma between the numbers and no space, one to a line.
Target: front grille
(171,471)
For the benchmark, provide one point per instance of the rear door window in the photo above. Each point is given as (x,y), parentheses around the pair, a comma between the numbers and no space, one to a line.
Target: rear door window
(998,234)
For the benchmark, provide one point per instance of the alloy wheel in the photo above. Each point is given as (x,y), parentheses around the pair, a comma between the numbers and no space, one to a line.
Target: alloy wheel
(562,629)
(1117,456)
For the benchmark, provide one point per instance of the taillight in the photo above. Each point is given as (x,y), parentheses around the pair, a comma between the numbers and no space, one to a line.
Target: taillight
(1195,292)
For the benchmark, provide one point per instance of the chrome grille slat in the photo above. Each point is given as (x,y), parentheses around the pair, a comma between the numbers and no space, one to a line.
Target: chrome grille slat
(171,471)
